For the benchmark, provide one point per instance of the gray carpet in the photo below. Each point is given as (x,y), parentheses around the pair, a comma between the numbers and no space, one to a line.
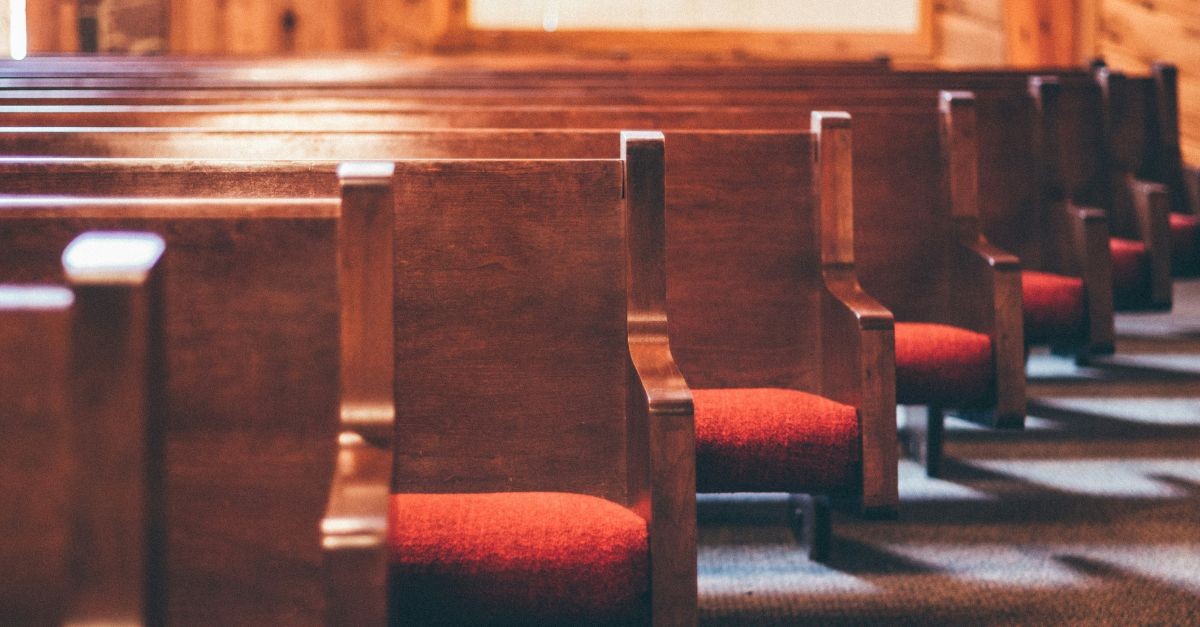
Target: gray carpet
(1091,516)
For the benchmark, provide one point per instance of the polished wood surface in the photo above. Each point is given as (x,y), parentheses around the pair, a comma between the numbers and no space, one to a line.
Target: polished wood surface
(354,524)
(859,369)
(118,379)
(36,467)
(84,515)
(715,181)
(251,337)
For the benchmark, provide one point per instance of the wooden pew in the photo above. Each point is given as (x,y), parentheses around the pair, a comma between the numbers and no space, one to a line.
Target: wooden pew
(690,183)
(629,436)
(1075,160)
(236,591)
(892,200)
(1013,208)
(250,344)
(83,517)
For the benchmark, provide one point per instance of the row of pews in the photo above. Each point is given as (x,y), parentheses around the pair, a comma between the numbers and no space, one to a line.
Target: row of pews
(458,341)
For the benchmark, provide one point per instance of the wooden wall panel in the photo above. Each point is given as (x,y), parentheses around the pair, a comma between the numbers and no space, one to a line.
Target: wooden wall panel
(970,32)
(50,25)
(1134,33)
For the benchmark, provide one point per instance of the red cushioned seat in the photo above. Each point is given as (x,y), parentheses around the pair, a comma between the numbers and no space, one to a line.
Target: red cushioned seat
(520,557)
(774,440)
(1053,305)
(1130,272)
(942,365)
(1185,243)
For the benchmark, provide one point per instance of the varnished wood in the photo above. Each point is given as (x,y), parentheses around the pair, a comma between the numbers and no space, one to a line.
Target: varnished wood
(118,385)
(661,428)
(36,467)
(987,272)
(250,417)
(864,375)
(355,521)
(1086,254)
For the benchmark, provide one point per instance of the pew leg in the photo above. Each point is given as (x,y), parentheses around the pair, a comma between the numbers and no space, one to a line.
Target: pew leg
(812,524)
(923,435)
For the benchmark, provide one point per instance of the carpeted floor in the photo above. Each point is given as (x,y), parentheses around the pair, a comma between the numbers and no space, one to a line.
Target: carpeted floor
(1091,516)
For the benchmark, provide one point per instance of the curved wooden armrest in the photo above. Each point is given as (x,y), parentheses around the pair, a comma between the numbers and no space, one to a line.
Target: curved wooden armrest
(353,533)
(1152,206)
(662,467)
(859,368)
(870,313)
(993,256)
(1091,260)
(988,285)
(1191,181)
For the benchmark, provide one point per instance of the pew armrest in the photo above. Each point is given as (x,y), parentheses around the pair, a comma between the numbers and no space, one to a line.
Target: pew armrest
(662,469)
(354,531)
(988,284)
(1090,257)
(1152,207)
(1191,181)
(858,368)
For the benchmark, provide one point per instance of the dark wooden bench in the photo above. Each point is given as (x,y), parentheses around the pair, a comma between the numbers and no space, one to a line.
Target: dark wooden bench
(250,348)
(695,156)
(1013,206)
(227,243)
(82,515)
(896,200)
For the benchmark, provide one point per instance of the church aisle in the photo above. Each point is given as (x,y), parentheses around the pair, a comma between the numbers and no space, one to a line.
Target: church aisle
(1090,516)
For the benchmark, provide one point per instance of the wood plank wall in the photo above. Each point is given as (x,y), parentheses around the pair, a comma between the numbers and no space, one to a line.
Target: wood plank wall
(1133,33)
(966,32)
(970,32)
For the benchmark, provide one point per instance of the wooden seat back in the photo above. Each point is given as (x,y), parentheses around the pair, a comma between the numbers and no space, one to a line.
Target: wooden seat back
(83,507)
(901,223)
(250,326)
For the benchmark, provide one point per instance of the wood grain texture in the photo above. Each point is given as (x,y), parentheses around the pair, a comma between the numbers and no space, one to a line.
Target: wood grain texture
(354,525)
(661,426)
(251,332)
(988,273)
(118,379)
(545,378)
(1135,34)
(36,470)
(859,369)
(1085,252)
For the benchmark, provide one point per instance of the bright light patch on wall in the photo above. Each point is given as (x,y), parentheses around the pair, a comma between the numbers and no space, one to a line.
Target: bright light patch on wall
(18,39)
(877,16)
(550,16)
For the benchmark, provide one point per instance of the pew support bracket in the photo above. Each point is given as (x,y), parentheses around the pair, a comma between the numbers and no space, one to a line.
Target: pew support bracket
(994,307)
(859,370)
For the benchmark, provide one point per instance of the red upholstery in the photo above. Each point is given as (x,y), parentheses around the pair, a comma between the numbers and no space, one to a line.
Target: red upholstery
(942,365)
(1130,271)
(773,440)
(1053,306)
(520,557)
(1185,243)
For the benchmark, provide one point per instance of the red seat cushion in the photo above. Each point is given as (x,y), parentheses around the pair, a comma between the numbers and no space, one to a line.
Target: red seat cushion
(518,557)
(1185,243)
(774,440)
(942,365)
(1053,306)
(1130,272)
